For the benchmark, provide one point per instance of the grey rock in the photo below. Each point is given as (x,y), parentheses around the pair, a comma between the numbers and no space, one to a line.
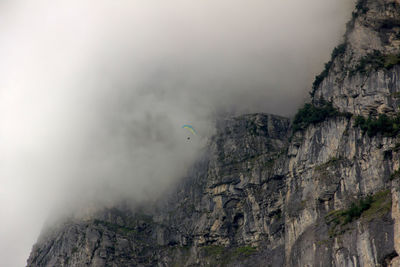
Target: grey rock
(262,196)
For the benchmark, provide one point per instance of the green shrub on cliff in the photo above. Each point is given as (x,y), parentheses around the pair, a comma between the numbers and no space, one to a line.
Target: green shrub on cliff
(375,61)
(388,126)
(245,251)
(339,50)
(361,8)
(391,60)
(214,250)
(356,209)
(368,208)
(395,175)
(219,255)
(311,114)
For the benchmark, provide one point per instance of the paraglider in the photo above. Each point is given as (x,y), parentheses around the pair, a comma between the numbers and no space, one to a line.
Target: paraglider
(189,128)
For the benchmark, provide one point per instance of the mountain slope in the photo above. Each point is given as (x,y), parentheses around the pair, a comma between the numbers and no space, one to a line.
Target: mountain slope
(325,194)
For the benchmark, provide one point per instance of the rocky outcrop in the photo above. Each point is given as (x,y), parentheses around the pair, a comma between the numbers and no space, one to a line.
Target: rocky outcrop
(334,167)
(230,204)
(364,75)
(263,195)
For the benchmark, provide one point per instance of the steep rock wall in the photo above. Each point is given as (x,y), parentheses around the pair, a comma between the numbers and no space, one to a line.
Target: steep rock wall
(230,204)
(264,196)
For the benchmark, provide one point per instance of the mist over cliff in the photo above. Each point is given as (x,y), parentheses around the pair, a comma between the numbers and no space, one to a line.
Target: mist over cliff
(93,94)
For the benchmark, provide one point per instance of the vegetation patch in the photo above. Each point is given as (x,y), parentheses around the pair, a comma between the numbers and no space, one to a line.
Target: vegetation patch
(396,147)
(361,8)
(245,251)
(380,206)
(214,250)
(312,114)
(395,175)
(388,126)
(338,51)
(356,209)
(178,257)
(221,256)
(116,227)
(269,164)
(375,61)
(277,214)
(368,208)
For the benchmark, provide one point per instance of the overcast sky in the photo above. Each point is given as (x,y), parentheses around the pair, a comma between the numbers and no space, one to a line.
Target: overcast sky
(93,93)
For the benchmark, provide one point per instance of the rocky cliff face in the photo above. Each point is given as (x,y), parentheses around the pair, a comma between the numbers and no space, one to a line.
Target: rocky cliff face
(230,204)
(263,195)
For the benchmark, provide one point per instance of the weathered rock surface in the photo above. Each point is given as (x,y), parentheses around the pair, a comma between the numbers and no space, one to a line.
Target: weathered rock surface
(264,196)
(231,203)
(375,27)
